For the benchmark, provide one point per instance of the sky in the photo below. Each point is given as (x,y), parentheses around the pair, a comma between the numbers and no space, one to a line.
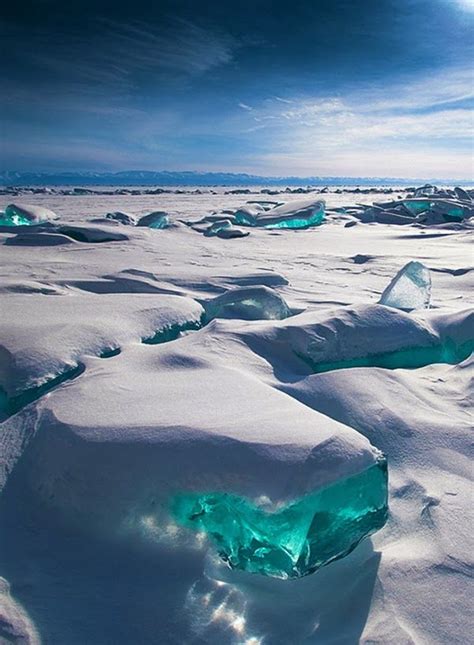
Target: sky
(303,87)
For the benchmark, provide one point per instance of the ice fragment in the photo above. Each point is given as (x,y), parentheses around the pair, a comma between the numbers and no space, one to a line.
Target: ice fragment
(410,289)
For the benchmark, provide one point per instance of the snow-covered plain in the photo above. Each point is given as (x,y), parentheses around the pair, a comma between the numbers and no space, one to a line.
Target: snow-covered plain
(87,555)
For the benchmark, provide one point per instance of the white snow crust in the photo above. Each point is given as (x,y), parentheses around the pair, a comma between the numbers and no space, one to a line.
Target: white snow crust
(87,546)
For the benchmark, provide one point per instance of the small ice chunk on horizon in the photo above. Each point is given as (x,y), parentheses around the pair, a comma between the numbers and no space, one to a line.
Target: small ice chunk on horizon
(410,289)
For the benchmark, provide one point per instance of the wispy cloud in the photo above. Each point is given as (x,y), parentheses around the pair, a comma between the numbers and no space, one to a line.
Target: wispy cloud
(410,128)
(118,55)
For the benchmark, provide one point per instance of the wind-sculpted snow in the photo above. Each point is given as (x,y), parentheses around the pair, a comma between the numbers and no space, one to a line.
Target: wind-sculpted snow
(38,343)
(92,234)
(366,336)
(141,494)
(410,289)
(113,469)
(11,405)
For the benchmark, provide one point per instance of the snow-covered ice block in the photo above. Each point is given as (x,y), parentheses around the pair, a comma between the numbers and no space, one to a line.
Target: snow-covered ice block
(157,219)
(410,289)
(295,214)
(25,215)
(117,453)
(39,238)
(91,233)
(217,227)
(123,218)
(362,336)
(232,233)
(248,303)
(38,343)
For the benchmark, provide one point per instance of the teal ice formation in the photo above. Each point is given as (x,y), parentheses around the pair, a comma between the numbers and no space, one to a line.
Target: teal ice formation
(25,215)
(294,214)
(298,538)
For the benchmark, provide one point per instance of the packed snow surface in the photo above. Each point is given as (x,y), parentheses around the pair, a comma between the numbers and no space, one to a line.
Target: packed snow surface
(189,407)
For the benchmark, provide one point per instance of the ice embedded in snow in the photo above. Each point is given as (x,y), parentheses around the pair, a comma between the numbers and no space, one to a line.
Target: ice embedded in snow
(217,227)
(157,219)
(144,458)
(410,289)
(124,218)
(25,215)
(297,539)
(91,233)
(295,214)
(38,343)
(225,229)
(248,303)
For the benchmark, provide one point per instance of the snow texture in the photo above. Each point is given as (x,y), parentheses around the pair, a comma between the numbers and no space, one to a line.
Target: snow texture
(107,429)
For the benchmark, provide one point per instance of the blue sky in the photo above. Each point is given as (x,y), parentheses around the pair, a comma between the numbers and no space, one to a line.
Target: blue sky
(308,87)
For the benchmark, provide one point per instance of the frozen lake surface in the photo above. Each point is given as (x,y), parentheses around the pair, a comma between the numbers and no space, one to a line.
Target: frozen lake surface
(129,376)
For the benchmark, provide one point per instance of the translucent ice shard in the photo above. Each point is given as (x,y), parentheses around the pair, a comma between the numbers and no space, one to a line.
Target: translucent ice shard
(449,208)
(410,289)
(25,215)
(294,540)
(248,303)
(157,219)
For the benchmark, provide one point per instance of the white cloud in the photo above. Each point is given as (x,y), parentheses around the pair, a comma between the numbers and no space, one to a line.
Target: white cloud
(420,128)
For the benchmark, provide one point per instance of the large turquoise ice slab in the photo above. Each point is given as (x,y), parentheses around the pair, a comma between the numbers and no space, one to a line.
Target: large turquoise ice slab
(295,214)
(297,539)
(25,215)
(410,289)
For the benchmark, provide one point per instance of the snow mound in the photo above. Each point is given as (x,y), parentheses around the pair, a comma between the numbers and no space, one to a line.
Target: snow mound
(91,233)
(113,468)
(38,342)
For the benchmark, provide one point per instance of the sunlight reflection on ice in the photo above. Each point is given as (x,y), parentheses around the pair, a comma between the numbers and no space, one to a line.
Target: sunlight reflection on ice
(215,607)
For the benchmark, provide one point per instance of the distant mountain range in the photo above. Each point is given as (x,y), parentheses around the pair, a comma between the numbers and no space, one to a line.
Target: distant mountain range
(190,178)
